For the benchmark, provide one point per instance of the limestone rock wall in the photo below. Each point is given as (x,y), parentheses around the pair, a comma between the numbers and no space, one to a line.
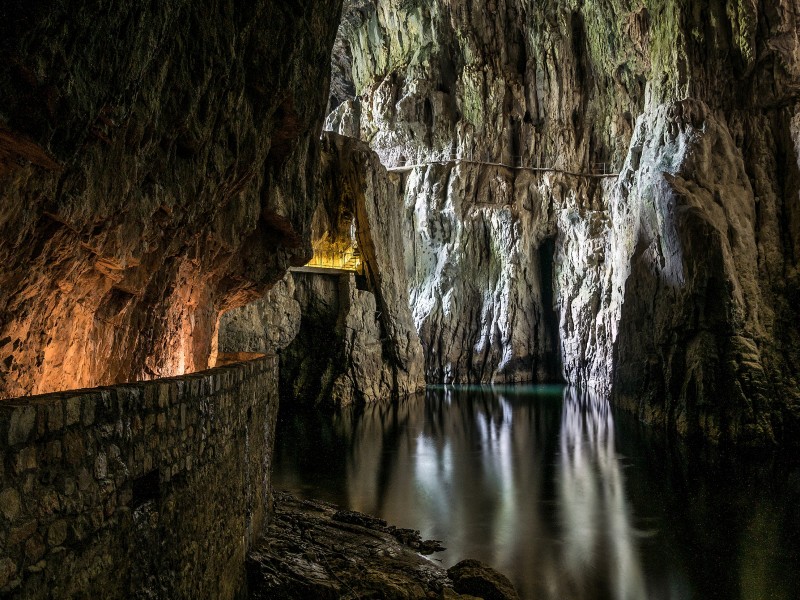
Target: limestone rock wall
(345,338)
(336,358)
(506,83)
(353,176)
(152,490)
(267,325)
(157,166)
(674,285)
(686,238)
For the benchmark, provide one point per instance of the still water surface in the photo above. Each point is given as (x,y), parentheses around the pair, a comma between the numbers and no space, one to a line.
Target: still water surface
(548,485)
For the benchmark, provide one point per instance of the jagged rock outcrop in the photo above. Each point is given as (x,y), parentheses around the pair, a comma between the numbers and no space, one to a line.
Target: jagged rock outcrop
(355,178)
(265,326)
(157,166)
(674,284)
(696,338)
(345,337)
(336,358)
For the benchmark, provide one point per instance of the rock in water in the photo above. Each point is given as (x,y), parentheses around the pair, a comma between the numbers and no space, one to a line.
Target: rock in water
(314,550)
(477,579)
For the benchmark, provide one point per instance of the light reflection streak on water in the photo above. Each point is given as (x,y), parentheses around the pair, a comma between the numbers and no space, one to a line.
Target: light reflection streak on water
(532,484)
(595,516)
(463,472)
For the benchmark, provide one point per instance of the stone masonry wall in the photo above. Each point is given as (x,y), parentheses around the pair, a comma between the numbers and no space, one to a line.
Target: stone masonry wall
(147,490)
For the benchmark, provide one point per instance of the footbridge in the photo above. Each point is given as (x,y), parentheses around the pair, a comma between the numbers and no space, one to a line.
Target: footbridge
(517,163)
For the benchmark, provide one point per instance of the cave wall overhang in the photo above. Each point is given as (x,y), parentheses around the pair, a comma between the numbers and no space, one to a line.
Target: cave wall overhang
(157,166)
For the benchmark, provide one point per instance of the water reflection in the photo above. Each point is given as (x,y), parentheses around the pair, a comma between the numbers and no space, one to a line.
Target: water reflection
(530,480)
(599,551)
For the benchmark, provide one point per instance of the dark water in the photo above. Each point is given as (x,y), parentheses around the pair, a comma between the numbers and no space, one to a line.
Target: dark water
(569,499)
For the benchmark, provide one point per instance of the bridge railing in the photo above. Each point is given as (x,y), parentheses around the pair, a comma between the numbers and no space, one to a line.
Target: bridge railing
(602,168)
(347,260)
(516,161)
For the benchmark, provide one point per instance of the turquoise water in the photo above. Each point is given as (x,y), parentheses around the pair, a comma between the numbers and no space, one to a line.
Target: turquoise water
(556,490)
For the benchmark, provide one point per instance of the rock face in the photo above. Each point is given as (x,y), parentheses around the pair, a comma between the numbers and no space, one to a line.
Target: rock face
(671,286)
(264,326)
(697,340)
(148,184)
(474,578)
(336,358)
(346,338)
(354,177)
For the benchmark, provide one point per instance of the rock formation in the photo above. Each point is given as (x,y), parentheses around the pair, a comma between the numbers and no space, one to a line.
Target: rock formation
(671,287)
(302,557)
(265,326)
(345,338)
(149,184)
(157,166)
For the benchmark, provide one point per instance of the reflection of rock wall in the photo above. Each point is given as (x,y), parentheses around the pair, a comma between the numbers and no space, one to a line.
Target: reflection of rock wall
(149,183)
(599,549)
(676,292)
(566,497)
(476,467)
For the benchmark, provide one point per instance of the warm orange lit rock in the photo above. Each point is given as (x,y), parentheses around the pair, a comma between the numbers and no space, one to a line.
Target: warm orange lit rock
(158,172)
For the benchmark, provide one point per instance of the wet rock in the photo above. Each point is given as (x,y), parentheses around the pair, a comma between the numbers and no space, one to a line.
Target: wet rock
(314,550)
(407,537)
(412,539)
(477,579)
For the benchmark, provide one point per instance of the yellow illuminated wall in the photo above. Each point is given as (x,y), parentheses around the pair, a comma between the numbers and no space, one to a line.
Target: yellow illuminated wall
(330,256)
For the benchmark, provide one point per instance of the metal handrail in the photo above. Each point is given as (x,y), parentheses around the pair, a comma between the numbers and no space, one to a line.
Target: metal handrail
(603,169)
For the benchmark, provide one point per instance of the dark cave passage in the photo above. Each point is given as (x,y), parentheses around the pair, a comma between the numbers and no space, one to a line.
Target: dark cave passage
(549,368)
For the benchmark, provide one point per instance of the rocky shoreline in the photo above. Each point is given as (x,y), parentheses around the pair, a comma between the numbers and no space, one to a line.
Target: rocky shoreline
(313,549)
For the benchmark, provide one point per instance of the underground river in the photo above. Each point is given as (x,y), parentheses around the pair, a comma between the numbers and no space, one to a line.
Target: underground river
(568,498)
